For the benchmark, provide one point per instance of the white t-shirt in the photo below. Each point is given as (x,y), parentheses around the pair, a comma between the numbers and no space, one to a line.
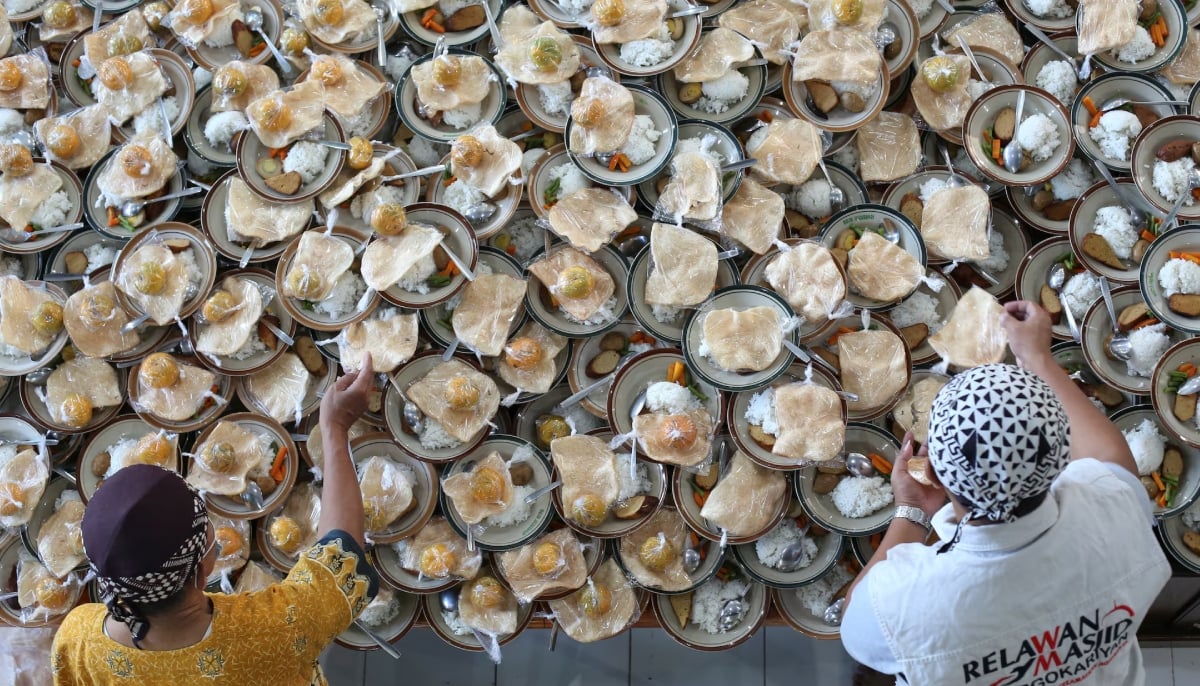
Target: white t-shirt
(1053,598)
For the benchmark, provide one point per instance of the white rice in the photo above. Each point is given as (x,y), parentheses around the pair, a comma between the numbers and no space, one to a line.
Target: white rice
(190,267)
(53,211)
(1179,276)
(581,421)
(817,596)
(760,411)
(463,117)
(449,7)
(997,259)
(434,437)
(1038,135)
(382,609)
(254,345)
(307,159)
(13,353)
(455,623)
(11,122)
(574,6)
(202,77)
(665,314)
(569,178)
(1149,343)
(918,308)
(150,119)
(463,197)
(343,299)
(756,139)
(1191,517)
(649,51)
(518,510)
(119,454)
(1114,133)
(696,144)
(1147,445)
(67,496)
(1115,225)
(606,313)
(1137,49)
(1171,179)
(864,91)
(1073,180)
(1058,78)
(416,279)
(556,98)
(930,187)
(363,205)
(718,95)
(1080,292)
(527,237)
(1050,9)
(399,63)
(11,266)
(21,6)
(847,157)
(361,123)
(921,7)
(710,599)
(99,255)
(629,484)
(425,153)
(857,496)
(810,198)
(640,147)
(670,398)
(976,89)
(770,548)
(529,158)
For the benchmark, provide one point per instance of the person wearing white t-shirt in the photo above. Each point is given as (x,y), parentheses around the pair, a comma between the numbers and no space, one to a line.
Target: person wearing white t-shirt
(1047,562)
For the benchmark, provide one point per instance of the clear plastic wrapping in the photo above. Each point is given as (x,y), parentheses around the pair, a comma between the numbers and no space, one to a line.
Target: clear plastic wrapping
(807,276)
(606,605)
(20,305)
(812,425)
(457,396)
(528,363)
(149,156)
(126,34)
(743,340)
(222,463)
(449,82)
(601,116)
(837,55)
(437,552)
(391,338)
(832,14)
(94,321)
(250,219)
(63,28)
(387,491)
(281,388)
(357,22)
(889,147)
(229,317)
(78,386)
(256,577)
(874,366)
(769,24)
(549,564)
(975,334)
(24,471)
(746,499)
(753,216)
(719,50)
(939,91)
(653,553)
(33,90)
(485,160)
(60,537)
(349,90)
(954,223)
(281,117)
(484,491)
(619,22)
(694,191)
(678,438)
(388,259)
(487,607)
(882,271)
(233,549)
(787,151)
(587,467)
(1184,70)
(178,401)
(535,53)
(994,31)
(293,529)
(155,280)
(488,308)
(193,33)
(236,84)
(128,84)
(319,262)
(589,218)
(912,412)
(683,267)
(39,594)
(580,284)
(92,134)
(22,194)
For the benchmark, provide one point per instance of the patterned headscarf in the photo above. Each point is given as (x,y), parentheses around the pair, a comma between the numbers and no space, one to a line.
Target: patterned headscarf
(998,435)
(144,533)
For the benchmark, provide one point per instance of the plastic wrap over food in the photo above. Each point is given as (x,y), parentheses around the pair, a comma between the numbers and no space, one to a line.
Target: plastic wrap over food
(653,553)
(60,30)
(281,388)
(223,462)
(457,396)
(390,338)
(581,285)
(975,334)
(1184,70)
(489,306)
(28,316)
(683,267)
(449,82)
(349,90)
(176,401)
(529,361)
(719,50)
(256,577)
(282,117)
(694,191)
(550,564)
(889,147)
(229,317)
(33,90)
(772,24)
(837,55)
(357,22)
(127,34)
(39,594)
(94,321)
(316,447)
(863,16)
(485,160)
(236,84)
(77,386)
(787,151)
(940,91)
(587,467)
(753,216)
(60,537)
(294,528)
(812,425)
(233,549)
(319,262)
(252,219)
(487,607)
(604,607)
(1106,24)
(912,412)
(537,54)
(954,223)
(613,21)
(990,30)
(437,552)
(24,471)
(93,133)
(807,276)
(484,491)
(388,259)
(874,366)
(681,438)
(192,28)
(128,84)
(155,280)
(387,491)
(746,499)
(23,191)
(601,117)
(589,218)
(747,340)
(882,271)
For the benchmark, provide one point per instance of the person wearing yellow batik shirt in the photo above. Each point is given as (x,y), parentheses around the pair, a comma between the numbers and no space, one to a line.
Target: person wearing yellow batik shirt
(151,546)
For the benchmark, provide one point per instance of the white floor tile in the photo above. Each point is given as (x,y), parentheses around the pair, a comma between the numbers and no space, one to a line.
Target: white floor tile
(528,660)
(1158,666)
(790,653)
(657,659)
(343,667)
(429,661)
(1186,660)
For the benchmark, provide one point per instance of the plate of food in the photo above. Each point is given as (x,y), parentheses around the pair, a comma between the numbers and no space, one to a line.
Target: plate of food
(803,608)
(549,567)
(390,614)
(795,553)
(344,26)
(483,609)
(432,560)
(817,94)
(603,495)
(1158,38)
(1079,290)
(487,490)
(721,81)
(548,105)
(317,283)
(284,389)
(1163,165)
(1070,357)
(813,419)
(53,531)
(599,357)
(874,364)
(1107,133)
(239,455)
(1165,278)
(736,339)
(885,256)
(39,194)
(619,135)
(399,493)
(732,499)
(714,621)
(1181,538)
(642,41)
(1149,339)
(442,96)
(851,504)
(232,330)
(475,321)
(1051,16)
(694,187)
(491,200)
(40,599)
(369,185)
(109,190)
(455,23)
(451,404)
(177,99)
(176,393)
(664,556)
(923,313)
(554,177)
(355,93)
(243,225)
(1046,69)
(214,43)
(33,332)
(164,274)
(544,419)
(291,529)
(299,170)
(1104,235)
(407,261)
(78,396)
(575,294)
(125,441)
(1164,449)
(606,606)
(1043,136)
(808,277)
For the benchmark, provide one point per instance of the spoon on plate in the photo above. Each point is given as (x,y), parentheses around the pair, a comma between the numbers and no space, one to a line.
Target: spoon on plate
(253,496)
(254,22)
(962,43)
(1193,182)
(1056,278)
(1114,103)
(1119,345)
(418,172)
(449,602)
(379,640)
(135,207)
(1049,43)
(533,497)
(837,197)
(409,411)
(689,11)
(860,465)
(15,236)
(381,49)
(639,403)
(732,613)
(1136,215)
(1013,155)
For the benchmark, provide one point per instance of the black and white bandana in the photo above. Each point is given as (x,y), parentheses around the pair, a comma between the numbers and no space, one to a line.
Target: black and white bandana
(997,436)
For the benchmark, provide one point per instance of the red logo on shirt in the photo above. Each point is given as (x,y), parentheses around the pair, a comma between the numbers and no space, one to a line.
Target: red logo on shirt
(1065,654)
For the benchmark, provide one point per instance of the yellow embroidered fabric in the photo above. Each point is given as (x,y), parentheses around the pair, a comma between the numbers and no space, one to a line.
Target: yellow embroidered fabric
(272,637)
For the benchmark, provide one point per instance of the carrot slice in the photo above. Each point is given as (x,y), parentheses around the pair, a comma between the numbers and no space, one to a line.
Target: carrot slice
(1158,481)
(881,465)
(1090,105)
(996,150)
(279,466)
(1148,237)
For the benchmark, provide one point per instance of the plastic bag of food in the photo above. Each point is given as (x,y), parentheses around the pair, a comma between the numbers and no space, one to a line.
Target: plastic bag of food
(24,471)
(31,317)
(127,34)
(59,539)
(32,75)
(485,160)
(683,267)
(695,190)
(809,278)
(862,16)
(173,390)
(801,421)
(484,491)
(875,366)
(746,498)
(293,528)
(771,25)
(437,552)
(991,29)
(236,84)
(741,340)
(387,491)
(1184,70)
(450,82)
(156,279)
(601,117)
(389,335)
(534,52)
(837,55)
(549,564)
(975,334)
(787,150)
(233,549)
(40,595)
(940,91)
(912,412)
(653,553)
(282,117)
(753,216)
(256,577)
(675,427)
(354,20)
(230,453)
(486,607)
(25,188)
(718,52)
(1106,25)
(955,222)
(589,218)
(489,306)
(529,361)
(588,469)
(458,397)
(889,147)
(606,605)
(195,23)
(77,387)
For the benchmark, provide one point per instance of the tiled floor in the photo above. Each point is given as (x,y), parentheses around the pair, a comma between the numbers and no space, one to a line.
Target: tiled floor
(773,657)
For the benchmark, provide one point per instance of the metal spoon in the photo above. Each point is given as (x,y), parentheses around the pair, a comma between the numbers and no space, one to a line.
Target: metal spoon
(134,207)
(808,358)
(962,43)
(1119,345)
(732,614)
(1193,182)
(860,465)
(15,236)
(1120,102)
(690,11)
(955,179)
(497,39)
(837,197)
(584,392)
(1136,215)
(833,614)
(379,640)
(418,172)
(631,246)
(458,262)
(254,22)
(532,497)
(740,164)
(381,50)
(639,403)
(449,602)
(946,5)
(133,324)
(410,412)
(1190,387)
(253,495)
(886,34)
(1049,43)
(1013,155)
(1056,278)
(336,145)
(38,376)
(789,560)
(96,15)
(691,558)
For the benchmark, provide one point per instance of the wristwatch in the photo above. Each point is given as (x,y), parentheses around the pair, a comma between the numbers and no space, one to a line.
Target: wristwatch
(914,515)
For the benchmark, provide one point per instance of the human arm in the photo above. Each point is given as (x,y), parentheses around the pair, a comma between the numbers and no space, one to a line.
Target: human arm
(341,498)
(1092,434)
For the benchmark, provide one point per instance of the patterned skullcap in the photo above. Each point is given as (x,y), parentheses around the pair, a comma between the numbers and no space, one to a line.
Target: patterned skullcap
(998,435)
(144,533)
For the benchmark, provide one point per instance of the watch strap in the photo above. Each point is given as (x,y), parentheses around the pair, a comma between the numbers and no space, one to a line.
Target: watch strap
(914,515)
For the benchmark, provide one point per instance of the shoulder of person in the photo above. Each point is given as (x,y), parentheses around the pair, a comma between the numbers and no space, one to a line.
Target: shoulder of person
(1088,471)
